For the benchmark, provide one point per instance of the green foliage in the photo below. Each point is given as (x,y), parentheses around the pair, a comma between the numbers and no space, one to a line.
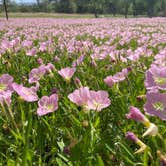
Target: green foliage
(125,7)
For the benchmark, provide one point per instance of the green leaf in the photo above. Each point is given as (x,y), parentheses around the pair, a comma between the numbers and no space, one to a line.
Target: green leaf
(100,161)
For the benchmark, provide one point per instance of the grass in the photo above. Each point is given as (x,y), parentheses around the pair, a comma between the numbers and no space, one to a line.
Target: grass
(60,15)
(47,15)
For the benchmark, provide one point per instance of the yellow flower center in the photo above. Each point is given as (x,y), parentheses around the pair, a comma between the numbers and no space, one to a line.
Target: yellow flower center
(26,91)
(50,106)
(2,87)
(158,106)
(160,81)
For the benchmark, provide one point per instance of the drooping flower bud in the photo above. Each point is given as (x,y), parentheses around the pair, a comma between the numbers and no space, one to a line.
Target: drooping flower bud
(142,148)
(151,130)
(132,137)
(137,115)
(77,82)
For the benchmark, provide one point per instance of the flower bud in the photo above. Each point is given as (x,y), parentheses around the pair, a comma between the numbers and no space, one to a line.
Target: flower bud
(54,90)
(152,130)
(93,63)
(141,97)
(56,59)
(132,137)
(137,115)
(85,123)
(40,61)
(66,150)
(142,147)
(77,82)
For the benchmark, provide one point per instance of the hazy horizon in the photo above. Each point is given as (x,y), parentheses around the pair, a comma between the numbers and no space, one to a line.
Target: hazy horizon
(24,1)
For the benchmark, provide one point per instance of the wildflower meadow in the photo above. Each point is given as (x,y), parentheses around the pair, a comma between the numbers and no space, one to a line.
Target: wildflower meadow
(83,92)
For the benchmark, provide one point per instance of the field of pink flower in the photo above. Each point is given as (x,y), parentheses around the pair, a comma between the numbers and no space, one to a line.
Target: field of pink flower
(83,92)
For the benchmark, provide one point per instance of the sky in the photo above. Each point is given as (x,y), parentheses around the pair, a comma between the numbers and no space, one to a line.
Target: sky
(24,1)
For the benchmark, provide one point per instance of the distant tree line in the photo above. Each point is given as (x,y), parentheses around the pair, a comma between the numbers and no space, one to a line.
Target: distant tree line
(97,7)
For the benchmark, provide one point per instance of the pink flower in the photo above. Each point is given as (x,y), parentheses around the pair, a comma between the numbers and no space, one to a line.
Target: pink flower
(118,77)
(156,78)
(109,80)
(15,42)
(40,61)
(6,45)
(56,59)
(156,104)
(98,100)
(31,52)
(67,73)
(49,67)
(47,104)
(28,94)
(27,43)
(43,47)
(5,97)
(36,74)
(6,82)
(90,100)
(6,89)
(78,61)
(80,96)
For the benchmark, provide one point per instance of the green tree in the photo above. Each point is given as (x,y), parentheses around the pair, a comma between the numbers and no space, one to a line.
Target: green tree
(163,7)
(150,7)
(126,5)
(97,7)
(112,7)
(5,7)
